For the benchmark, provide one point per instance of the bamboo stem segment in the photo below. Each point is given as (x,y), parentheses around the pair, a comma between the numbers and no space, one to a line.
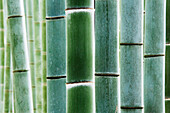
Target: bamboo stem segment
(44,67)
(38,58)
(167,59)
(56,56)
(80,56)
(2,53)
(131,56)
(154,45)
(31,43)
(21,79)
(107,56)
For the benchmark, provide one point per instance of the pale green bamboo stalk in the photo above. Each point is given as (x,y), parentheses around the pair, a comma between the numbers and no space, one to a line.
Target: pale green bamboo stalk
(7,74)
(56,56)
(154,56)
(167,59)
(38,58)
(131,56)
(80,56)
(107,56)
(21,79)
(31,43)
(44,67)
(2,53)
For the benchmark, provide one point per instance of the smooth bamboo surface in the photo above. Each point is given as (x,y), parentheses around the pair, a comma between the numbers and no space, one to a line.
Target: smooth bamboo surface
(21,79)
(154,53)
(56,92)
(44,64)
(30,38)
(56,56)
(38,54)
(167,59)
(80,56)
(2,54)
(107,56)
(131,56)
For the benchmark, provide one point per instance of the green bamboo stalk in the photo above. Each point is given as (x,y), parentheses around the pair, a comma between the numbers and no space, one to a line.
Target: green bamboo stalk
(56,56)
(21,79)
(167,59)
(31,43)
(7,75)
(80,56)
(154,56)
(38,58)
(131,56)
(44,67)
(2,53)
(107,56)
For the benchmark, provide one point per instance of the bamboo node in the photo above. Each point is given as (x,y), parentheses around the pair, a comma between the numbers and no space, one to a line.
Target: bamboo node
(2,48)
(56,17)
(56,77)
(15,16)
(79,82)
(107,74)
(124,107)
(2,29)
(20,71)
(158,55)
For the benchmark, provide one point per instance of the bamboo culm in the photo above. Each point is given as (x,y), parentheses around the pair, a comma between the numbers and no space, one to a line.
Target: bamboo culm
(154,56)
(107,56)
(2,53)
(44,67)
(31,47)
(167,59)
(38,58)
(131,56)
(80,56)
(21,79)
(56,56)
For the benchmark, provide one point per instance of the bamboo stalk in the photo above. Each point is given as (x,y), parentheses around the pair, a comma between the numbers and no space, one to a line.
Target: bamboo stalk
(80,56)
(107,56)
(167,59)
(2,53)
(131,56)
(154,53)
(7,75)
(31,43)
(44,67)
(38,59)
(21,78)
(56,56)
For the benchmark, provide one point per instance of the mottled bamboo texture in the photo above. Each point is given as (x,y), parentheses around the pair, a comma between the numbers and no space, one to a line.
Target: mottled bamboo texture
(38,58)
(21,79)
(2,53)
(31,48)
(56,56)
(131,56)
(167,59)
(80,56)
(154,56)
(44,65)
(107,56)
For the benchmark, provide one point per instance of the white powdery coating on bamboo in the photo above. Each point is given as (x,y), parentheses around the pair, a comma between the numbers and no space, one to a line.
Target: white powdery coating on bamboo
(68,86)
(79,10)
(71,85)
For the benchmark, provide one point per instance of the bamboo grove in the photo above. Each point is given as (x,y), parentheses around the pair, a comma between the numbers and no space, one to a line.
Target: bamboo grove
(84,56)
